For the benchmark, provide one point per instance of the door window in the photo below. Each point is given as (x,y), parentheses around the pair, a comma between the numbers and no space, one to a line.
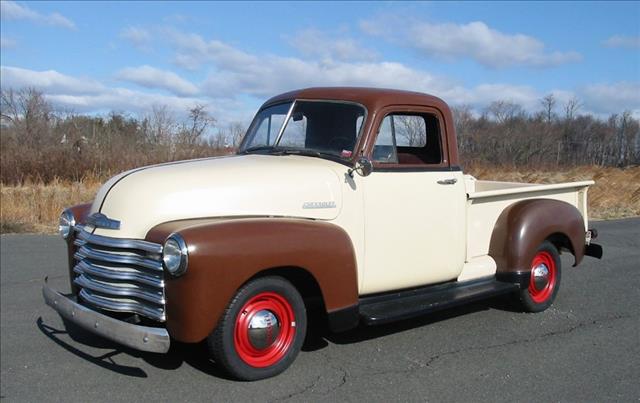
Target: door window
(408,139)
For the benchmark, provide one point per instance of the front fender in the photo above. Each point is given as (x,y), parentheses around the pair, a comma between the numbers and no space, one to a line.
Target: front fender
(224,254)
(523,226)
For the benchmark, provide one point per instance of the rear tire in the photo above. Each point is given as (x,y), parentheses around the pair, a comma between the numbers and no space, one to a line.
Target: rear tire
(261,331)
(544,281)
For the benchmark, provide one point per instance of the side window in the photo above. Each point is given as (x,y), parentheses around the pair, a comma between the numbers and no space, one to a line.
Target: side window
(408,139)
(385,148)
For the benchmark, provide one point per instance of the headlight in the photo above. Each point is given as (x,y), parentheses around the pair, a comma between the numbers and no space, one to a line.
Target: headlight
(66,223)
(175,255)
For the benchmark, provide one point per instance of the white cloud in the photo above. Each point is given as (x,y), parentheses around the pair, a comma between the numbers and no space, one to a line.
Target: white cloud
(192,51)
(7,43)
(82,95)
(138,37)
(10,10)
(622,41)
(151,77)
(475,40)
(315,43)
(49,80)
(612,97)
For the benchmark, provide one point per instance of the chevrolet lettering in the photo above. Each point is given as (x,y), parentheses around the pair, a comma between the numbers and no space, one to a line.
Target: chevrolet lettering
(313,205)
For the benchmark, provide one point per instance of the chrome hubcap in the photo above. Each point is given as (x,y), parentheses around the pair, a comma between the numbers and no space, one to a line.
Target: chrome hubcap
(264,329)
(540,276)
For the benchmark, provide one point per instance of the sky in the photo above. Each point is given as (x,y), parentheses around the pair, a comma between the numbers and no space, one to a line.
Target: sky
(97,57)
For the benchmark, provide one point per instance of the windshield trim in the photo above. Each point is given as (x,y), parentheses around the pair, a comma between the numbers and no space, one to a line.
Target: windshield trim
(285,123)
(346,161)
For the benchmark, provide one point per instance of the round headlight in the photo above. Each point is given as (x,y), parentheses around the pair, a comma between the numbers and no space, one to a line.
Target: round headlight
(175,255)
(66,223)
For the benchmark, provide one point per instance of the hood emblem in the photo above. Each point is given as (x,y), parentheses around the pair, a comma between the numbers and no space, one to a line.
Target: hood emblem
(100,220)
(318,205)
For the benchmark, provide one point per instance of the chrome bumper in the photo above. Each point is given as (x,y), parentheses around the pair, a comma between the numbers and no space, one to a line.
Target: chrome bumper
(141,338)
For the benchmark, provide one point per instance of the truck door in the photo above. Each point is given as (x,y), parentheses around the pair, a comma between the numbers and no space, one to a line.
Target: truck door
(415,204)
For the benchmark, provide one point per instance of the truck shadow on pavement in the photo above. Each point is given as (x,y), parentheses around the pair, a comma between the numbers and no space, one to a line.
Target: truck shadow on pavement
(196,355)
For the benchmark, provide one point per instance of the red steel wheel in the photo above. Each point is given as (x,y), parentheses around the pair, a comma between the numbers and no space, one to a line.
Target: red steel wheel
(262,330)
(265,329)
(543,277)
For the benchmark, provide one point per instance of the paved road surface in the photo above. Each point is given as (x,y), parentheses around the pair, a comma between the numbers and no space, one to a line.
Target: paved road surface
(585,348)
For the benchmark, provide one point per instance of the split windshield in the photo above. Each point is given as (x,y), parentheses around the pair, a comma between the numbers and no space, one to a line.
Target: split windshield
(306,127)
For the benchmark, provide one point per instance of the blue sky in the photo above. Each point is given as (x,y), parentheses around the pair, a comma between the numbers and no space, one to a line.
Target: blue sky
(94,57)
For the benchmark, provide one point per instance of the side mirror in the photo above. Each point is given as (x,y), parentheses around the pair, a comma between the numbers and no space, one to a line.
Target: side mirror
(363,167)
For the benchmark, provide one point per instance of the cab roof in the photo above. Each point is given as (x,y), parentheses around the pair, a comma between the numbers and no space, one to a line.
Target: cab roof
(371,98)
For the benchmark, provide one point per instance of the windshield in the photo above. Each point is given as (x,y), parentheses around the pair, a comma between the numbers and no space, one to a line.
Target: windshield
(316,127)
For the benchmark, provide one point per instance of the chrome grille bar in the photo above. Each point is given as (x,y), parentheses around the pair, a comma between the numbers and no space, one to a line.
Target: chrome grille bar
(122,305)
(119,289)
(117,242)
(89,252)
(120,275)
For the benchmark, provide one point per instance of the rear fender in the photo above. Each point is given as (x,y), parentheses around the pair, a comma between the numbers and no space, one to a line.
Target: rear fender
(524,225)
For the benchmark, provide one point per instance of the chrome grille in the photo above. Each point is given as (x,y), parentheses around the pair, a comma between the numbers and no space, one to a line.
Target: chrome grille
(120,275)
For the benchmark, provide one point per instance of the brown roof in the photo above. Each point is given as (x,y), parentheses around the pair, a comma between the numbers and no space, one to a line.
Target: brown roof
(372,98)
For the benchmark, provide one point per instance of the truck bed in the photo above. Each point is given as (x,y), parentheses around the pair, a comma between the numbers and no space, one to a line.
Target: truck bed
(487,199)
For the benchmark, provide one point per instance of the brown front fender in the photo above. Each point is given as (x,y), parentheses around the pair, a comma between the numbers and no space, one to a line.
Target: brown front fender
(523,226)
(224,254)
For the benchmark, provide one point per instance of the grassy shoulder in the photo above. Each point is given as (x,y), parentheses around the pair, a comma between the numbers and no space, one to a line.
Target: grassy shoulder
(35,207)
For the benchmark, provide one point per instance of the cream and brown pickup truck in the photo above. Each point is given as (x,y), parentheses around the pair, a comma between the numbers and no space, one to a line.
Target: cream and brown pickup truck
(350,201)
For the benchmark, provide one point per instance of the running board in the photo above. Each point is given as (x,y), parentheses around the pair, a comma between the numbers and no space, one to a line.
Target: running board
(380,309)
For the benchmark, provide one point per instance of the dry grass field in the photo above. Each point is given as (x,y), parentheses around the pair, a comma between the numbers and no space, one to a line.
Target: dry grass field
(35,207)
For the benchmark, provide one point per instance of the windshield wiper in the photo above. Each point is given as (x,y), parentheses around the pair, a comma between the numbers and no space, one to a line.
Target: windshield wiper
(308,153)
(257,148)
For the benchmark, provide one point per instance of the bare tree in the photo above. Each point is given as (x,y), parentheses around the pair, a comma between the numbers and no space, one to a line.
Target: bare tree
(161,125)
(548,105)
(571,107)
(503,111)
(199,121)
(236,131)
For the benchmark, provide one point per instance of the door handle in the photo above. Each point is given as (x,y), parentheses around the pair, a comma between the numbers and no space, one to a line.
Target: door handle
(448,181)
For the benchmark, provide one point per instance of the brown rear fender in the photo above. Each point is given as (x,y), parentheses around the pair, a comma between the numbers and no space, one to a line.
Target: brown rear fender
(523,226)
(224,254)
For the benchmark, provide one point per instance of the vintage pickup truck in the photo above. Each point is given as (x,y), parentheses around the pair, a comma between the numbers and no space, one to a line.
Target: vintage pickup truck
(350,201)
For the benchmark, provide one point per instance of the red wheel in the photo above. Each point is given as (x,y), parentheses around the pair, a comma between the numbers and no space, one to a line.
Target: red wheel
(261,331)
(544,279)
(265,329)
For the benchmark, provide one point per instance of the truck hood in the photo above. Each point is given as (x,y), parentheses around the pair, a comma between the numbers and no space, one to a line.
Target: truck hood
(233,186)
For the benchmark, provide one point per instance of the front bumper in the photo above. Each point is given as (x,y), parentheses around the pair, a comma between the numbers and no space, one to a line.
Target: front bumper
(141,338)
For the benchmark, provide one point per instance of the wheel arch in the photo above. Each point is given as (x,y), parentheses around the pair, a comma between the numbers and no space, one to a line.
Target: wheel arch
(524,225)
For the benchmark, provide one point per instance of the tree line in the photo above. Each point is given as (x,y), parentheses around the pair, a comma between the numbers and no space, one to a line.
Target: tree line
(40,144)
(505,134)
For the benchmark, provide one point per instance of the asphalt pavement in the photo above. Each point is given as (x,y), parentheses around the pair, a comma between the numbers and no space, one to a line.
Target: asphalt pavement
(586,347)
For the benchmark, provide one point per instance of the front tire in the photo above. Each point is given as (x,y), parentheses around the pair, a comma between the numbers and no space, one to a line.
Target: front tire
(261,331)
(544,281)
